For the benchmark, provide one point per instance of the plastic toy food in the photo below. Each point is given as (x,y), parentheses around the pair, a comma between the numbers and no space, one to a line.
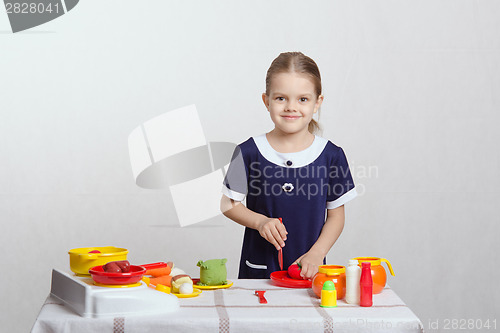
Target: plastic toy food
(165,280)
(294,271)
(176,271)
(212,272)
(157,272)
(179,280)
(186,288)
(111,267)
(122,266)
(95,251)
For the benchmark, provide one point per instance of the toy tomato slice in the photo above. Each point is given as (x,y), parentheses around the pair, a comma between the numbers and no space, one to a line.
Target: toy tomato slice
(294,271)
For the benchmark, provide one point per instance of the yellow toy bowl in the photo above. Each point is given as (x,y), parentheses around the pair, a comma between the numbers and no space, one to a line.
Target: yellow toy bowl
(80,260)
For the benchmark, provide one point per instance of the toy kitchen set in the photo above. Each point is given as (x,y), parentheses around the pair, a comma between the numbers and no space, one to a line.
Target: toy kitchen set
(104,284)
(91,291)
(103,292)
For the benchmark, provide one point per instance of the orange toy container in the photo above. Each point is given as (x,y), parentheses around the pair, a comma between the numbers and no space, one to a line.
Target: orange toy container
(379,276)
(333,273)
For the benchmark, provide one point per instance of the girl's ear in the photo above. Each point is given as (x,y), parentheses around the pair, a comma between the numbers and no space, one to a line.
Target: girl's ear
(318,103)
(265,99)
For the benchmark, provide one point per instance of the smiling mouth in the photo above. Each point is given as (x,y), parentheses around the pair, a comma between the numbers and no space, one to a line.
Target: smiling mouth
(291,117)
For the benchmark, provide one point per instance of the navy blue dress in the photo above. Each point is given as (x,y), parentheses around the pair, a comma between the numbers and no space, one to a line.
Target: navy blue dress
(298,187)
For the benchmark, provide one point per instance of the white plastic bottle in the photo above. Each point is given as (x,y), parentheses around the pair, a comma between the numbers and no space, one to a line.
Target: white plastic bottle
(352,275)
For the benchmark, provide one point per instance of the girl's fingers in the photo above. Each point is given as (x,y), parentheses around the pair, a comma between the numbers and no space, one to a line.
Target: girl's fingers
(277,236)
(274,232)
(304,270)
(308,271)
(282,231)
(270,238)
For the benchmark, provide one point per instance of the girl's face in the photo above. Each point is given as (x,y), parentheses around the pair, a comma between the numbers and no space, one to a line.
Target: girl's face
(292,102)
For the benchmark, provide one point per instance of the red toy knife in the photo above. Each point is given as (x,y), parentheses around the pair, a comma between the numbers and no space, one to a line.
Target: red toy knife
(280,252)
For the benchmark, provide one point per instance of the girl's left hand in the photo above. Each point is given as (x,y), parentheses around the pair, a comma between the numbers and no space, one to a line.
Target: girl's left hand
(309,262)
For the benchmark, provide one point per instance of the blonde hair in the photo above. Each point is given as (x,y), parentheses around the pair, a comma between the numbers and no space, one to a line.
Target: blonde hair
(296,62)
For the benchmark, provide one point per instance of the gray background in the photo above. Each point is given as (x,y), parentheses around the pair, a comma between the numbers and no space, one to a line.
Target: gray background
(411,93)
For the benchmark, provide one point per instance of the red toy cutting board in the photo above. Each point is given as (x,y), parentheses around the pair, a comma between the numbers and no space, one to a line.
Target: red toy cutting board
(282,279)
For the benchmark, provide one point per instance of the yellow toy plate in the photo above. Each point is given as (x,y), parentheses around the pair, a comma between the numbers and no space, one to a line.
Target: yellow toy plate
(222,286)
(195,293)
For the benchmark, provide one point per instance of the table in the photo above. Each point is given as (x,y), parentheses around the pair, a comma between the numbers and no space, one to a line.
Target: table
(237,309)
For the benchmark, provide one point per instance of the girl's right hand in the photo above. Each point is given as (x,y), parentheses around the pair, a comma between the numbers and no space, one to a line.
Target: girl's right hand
(273,231)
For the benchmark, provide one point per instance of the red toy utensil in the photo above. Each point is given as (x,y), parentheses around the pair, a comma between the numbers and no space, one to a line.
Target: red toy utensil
(262,299)
(280,252)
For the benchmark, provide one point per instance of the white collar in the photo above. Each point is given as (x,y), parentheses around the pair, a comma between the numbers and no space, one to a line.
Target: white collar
(297,159)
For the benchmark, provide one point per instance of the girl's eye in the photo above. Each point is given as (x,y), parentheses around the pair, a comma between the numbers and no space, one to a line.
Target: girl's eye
(280,99)
(303,99)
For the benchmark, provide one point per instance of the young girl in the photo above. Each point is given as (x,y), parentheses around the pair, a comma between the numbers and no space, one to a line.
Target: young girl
(288,173)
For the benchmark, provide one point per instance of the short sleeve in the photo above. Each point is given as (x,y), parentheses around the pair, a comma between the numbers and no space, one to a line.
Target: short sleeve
(341,187)
(235,182)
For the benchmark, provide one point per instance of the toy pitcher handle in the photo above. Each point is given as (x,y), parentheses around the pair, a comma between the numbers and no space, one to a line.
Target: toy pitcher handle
(388,265)
(89,256)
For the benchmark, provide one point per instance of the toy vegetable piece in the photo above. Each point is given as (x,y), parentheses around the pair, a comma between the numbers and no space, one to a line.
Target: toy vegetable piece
(294,271)
(179,280)
(186,288)
(213,272)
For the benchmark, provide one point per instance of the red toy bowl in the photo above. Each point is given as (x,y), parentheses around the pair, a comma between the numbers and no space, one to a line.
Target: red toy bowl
(100,276)
(282,279)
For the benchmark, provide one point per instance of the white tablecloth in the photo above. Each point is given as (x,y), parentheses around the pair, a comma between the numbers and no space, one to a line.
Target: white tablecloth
(237,309)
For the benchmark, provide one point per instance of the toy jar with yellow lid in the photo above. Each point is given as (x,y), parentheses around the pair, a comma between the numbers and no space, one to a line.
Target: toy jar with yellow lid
(333,273)
(379,275)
